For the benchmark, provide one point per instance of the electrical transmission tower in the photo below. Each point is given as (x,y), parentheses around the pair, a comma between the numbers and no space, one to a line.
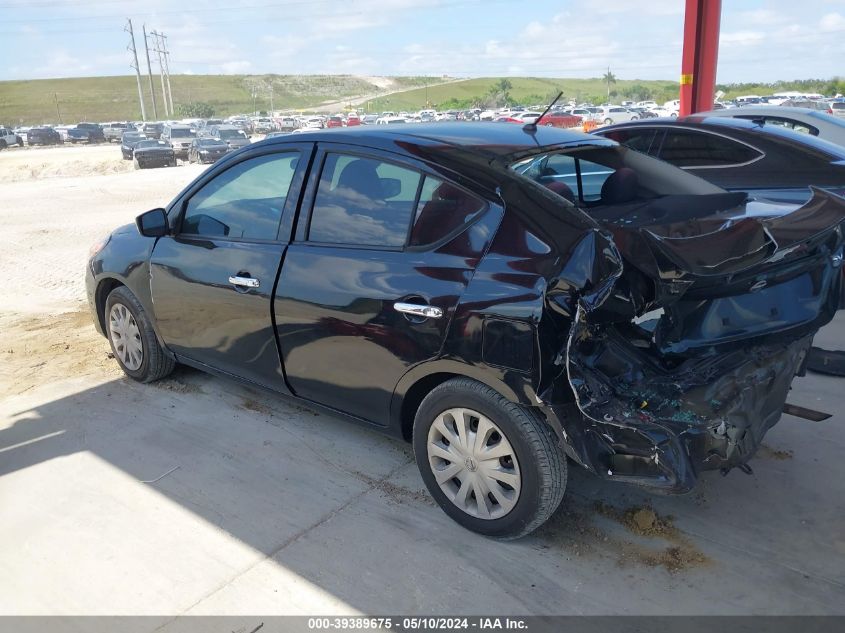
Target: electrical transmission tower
(150,71)
(164,69)
(134,65)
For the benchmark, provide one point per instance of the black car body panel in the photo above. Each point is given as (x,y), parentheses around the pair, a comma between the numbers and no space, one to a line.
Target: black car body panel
(653,334)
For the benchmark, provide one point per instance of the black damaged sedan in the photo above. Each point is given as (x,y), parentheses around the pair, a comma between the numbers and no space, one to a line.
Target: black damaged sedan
(502,297)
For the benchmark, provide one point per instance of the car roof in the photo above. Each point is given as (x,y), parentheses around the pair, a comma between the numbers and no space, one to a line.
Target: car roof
(492,139)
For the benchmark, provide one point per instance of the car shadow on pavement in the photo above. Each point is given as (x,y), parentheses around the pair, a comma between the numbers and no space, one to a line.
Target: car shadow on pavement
(336,517)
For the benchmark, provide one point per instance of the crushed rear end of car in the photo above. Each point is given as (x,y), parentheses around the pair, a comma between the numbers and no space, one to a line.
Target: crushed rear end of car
(680,354)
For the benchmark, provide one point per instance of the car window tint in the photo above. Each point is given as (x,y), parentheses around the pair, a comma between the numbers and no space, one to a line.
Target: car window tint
(639,139)
(364,202)
(698,149)
(442,209)
(243,202)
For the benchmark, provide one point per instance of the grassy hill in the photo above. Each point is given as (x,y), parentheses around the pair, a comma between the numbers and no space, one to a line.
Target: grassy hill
(524,90)
(116,98)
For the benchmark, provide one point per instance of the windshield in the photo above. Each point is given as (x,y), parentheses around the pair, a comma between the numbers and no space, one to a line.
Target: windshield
(209,142)
(181,133)
(226,134)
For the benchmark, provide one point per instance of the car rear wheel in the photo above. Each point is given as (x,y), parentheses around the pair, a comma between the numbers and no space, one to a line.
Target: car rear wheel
(608,121)
(2,144)
(132,338)
(493,466)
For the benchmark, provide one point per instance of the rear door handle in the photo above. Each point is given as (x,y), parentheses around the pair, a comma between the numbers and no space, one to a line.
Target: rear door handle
(415,309)
(245,282)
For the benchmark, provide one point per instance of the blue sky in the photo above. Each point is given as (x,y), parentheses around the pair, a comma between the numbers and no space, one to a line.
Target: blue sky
(762,40)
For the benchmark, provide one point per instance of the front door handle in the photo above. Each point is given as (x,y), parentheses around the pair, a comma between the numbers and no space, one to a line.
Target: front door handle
(244,282)
(415,309)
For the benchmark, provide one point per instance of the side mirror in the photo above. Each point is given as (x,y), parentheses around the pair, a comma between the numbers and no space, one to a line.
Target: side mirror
(153,223)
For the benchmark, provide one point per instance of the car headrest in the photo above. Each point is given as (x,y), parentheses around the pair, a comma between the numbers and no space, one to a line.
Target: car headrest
(445,191)
(561,189)
(620,187)
(361,177)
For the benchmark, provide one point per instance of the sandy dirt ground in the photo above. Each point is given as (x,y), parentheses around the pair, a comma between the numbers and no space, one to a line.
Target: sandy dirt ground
(200,496)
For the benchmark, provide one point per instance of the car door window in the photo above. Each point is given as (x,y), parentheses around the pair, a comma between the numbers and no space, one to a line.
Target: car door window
(686,148)
(243,202)
(363,202)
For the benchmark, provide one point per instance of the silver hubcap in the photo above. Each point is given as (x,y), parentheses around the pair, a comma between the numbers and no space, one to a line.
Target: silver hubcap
(126,337)
(473,463)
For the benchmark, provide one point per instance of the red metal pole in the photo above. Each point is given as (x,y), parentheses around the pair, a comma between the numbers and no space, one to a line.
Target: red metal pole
(701,52)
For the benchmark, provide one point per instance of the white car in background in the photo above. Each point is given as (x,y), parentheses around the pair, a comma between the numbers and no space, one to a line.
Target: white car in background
(390,120)
(616,114)
(8,138)
(487,115)
(527,117)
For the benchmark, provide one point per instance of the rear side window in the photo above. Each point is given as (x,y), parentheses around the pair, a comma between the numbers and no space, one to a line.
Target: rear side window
(368,202)
(686,148)
(442,208)
(243,202)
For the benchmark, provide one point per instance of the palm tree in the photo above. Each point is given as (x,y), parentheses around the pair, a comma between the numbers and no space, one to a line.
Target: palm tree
(609,78)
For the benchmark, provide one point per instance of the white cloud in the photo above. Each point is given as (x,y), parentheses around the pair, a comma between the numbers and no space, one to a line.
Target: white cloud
(832,22)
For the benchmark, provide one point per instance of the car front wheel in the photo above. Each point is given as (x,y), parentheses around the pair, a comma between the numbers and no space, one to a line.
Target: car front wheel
(608,121)
(132,338)
(492,465)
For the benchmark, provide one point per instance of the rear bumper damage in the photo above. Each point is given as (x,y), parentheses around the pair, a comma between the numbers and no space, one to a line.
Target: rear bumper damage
(638,422)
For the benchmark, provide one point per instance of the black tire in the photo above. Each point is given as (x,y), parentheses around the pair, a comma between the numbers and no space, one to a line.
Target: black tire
(608,121)
(136,164)
(2,144)
(542,463)
(156,363)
